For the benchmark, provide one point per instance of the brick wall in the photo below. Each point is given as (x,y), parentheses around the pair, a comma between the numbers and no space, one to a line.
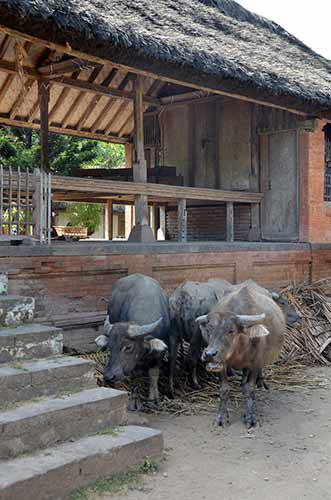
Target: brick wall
(209,223)
(315,214)
(69,284)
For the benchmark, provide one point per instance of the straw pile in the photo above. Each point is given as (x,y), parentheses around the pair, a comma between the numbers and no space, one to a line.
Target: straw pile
(306,344)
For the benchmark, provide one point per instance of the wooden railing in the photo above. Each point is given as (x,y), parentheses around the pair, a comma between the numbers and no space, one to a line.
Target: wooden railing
(84,189)
(25,204)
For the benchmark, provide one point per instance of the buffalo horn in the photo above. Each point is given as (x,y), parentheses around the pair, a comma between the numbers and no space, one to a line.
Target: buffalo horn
(141,331)
(250,320)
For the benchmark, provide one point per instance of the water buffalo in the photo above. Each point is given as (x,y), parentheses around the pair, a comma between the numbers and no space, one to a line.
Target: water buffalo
(244,331)
(190,300)
(137,331)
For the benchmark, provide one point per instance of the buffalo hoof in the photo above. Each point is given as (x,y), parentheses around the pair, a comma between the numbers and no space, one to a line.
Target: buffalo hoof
(196,386)
(250,422)
(222,420)
(135,405)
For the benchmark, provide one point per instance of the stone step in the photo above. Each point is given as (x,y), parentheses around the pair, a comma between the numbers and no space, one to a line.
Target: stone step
(33,379)
(15,310)
(29,341)
(3,283)
(55,420)
(56,472)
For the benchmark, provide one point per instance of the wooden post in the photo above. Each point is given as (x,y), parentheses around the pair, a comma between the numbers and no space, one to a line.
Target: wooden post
(43,92)
(255,231)
(229,222)
(182,220)
(110,219)
(36,205)
(128,155)
(141,232)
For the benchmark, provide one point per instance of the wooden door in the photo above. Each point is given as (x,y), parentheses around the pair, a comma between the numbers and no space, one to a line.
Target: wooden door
(279,179)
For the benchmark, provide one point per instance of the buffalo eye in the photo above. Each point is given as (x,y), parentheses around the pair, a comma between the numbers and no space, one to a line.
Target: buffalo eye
(127,349)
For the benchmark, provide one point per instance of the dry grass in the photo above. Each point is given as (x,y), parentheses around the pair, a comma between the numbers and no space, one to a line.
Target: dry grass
(306,344)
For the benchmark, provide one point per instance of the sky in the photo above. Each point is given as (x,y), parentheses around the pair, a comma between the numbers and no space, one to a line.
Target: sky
(309,21)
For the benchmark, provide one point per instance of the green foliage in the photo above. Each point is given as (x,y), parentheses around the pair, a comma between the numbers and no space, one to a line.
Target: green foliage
(21,147)
(85,215)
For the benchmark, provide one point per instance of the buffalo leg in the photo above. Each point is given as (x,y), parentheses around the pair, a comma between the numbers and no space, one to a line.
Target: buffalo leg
(223,414)
(195,355)
(249,394)
(135,403)
(173,348)
(260,382)
(154,384)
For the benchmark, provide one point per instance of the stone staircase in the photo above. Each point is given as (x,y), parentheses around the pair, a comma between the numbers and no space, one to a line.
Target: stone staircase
(58,430)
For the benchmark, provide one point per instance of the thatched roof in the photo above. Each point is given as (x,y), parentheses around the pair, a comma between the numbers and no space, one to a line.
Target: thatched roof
(215,43)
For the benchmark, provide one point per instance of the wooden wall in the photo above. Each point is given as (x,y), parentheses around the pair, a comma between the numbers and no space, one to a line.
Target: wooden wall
(216,143)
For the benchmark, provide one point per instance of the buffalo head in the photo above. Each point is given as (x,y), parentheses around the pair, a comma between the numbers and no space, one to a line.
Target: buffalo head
(221,334)
(127,344)
(291,316)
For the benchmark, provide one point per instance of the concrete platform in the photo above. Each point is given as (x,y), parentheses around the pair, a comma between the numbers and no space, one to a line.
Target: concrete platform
(29,341)
(52,421)
(33,379)
(15,310)
(53,473)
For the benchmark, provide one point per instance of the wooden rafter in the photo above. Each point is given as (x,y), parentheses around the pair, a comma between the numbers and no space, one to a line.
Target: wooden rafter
(4,46)
(20,98)
(57,69)
(110,104)
(62,97)
(91,107)
(81,96)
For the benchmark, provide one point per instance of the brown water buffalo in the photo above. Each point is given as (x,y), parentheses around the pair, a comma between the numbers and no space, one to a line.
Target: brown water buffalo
(243,331)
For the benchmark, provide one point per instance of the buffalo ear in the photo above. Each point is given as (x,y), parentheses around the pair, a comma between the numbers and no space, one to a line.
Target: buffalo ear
(257,331)
(202,320)
(107,326)
(157,345)
(101,342)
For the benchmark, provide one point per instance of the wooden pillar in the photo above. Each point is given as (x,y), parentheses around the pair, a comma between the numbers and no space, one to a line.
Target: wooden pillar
(43,93)
(229,221)
(141,232)
(109,220)
(255,231)
(128,155)
(182,220)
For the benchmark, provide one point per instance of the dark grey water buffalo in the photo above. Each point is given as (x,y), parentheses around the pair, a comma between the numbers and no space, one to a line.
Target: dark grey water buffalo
(291,316)
(190,300)
(244,331)
(137,331)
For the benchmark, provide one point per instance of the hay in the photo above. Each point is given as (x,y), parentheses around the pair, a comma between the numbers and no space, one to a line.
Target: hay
(309,341)
(306,344)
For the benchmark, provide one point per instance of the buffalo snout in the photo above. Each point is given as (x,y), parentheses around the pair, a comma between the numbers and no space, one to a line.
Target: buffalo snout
(208,355)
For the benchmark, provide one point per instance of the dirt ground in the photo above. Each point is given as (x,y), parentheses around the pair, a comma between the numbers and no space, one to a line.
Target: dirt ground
(287,457)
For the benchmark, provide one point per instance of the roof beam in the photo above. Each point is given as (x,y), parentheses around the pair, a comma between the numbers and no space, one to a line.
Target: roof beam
(68,131)
(85,86)
(60,68)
